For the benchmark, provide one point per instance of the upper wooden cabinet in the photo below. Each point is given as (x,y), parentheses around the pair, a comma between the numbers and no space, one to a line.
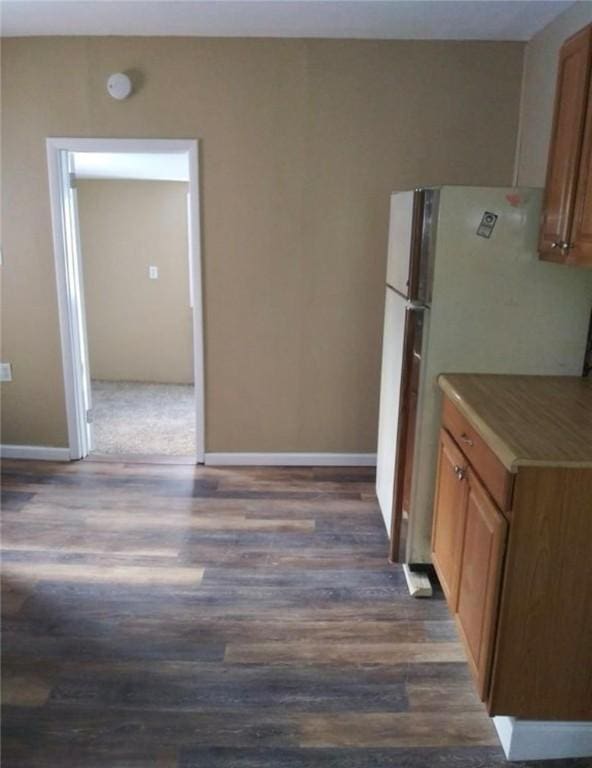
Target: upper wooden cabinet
(582,224)
(566,227)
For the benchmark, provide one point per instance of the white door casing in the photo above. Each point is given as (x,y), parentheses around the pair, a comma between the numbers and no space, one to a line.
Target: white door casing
(70,283)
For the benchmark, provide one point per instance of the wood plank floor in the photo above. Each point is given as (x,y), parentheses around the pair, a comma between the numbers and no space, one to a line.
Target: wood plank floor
(174,617)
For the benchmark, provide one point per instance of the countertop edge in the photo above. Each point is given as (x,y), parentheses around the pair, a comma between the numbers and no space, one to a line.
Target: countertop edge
(511,461)
(507,457)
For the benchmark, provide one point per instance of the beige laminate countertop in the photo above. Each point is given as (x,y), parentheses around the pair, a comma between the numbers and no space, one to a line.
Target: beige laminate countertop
(527,420)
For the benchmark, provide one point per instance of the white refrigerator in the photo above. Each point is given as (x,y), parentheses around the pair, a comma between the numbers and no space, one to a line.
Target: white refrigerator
(465,292)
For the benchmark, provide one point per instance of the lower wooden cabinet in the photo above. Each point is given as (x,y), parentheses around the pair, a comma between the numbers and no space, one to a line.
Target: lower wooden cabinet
(449,516)
(517,575)
(481,563)
(468,540)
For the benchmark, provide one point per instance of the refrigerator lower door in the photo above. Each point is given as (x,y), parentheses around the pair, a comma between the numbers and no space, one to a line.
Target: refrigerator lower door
(393,342)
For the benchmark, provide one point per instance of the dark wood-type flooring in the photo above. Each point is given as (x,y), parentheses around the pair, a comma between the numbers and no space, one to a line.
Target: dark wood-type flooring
(173,616)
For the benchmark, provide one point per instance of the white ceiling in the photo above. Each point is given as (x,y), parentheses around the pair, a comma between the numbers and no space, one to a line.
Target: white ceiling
(392,19)
(127,165)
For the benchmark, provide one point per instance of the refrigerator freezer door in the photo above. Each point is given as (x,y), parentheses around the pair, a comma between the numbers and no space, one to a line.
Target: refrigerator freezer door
(400,242)
(390,385)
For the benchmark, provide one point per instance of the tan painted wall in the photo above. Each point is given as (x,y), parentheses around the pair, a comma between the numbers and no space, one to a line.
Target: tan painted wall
(540,72)
(138,329)
(302,142)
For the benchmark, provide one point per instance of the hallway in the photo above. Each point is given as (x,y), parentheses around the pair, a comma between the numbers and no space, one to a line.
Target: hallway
(140,419)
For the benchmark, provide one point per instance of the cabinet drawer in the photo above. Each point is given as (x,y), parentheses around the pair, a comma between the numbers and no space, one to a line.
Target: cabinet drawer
(498,481)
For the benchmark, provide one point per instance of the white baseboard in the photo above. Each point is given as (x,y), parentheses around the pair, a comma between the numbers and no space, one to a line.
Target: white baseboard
(35,452)
(49,453)
(291,459)
(543,740)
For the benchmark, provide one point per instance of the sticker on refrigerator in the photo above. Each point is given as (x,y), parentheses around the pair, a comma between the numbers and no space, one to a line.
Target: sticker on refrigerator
(488,220)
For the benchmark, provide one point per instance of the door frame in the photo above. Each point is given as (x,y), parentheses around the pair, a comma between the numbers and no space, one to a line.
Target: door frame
(68,281)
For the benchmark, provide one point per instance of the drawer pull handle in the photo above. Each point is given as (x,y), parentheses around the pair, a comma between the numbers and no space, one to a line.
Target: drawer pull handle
(466,440)
(460,472)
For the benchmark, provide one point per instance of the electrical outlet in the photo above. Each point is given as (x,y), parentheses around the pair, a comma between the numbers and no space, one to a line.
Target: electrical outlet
(153,273)
(5,372)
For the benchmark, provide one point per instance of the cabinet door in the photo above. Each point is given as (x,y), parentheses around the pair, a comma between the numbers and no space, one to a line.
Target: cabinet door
(479,580)
(449,516)
(566,146)
(581,239)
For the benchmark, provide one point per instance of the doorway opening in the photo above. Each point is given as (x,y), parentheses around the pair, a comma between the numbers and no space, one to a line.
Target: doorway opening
(126,230)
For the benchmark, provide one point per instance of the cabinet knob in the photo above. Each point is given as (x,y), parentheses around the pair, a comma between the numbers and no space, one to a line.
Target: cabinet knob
(460,472)
(561,244)
(465,439)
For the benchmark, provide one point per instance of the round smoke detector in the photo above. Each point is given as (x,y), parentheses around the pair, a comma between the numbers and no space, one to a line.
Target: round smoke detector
(119,86)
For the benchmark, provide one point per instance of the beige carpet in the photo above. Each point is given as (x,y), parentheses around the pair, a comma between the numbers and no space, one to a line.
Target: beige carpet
(143,419)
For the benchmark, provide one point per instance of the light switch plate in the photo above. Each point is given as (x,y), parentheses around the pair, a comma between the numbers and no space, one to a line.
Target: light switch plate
(153,273)
(5,372)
